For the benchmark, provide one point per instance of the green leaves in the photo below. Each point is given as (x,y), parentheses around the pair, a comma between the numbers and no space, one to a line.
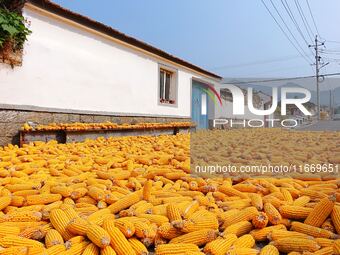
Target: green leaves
(13,28)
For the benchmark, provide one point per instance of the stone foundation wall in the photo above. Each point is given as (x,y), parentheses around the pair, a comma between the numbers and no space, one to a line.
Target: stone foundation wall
(12,120)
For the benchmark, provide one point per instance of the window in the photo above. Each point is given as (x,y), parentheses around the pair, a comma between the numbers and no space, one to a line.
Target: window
(167,87)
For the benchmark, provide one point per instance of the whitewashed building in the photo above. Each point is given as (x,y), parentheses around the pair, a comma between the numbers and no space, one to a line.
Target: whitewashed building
(77,69)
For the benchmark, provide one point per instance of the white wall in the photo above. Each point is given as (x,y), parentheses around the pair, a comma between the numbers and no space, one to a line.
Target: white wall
(69,68)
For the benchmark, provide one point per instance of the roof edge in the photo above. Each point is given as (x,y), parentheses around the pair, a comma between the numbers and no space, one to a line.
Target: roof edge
(107,30)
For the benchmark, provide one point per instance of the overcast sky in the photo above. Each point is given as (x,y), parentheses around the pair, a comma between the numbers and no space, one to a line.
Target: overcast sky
(228,37)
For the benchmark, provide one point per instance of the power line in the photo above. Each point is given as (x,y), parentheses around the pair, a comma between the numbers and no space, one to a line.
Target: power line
(283,31)
(297,42)
(291,15)
(304,20)
(257,62)
(311,14)
(282,79)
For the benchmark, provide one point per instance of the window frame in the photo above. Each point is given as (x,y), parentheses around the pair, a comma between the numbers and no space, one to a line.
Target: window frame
(173,90)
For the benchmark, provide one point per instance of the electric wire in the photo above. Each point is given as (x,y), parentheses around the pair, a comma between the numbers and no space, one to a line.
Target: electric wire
(287,27)
(284,32)
(311,14)
(304,20)
(282,79)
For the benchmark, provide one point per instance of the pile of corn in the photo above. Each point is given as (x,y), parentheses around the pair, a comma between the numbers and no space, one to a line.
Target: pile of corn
(102,126)
(132,195)
(261,146)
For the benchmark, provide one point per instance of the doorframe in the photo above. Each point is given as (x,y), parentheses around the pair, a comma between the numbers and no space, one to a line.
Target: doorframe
(192,80)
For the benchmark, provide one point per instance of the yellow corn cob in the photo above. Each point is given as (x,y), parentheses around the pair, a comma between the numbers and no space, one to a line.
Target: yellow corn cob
(60,221)
(69,201)
(244,215)
(36,250)
(168,231)
(96,193)
(5,201)
(77,249)
(189,209)
(173,212)
(287,245)
(232,192)
(126,202)
(157,219)
(98,235)
(42,199)
(199,237)
(295,212)
(23,225)
(36,232)
(78,226)
(147,189)
(256,200)
(11,240)
(62,190)
(228,214)
(78,193)
(18,250)
(74,240)
(56,249)
(245,241)
(312,231)
(314,194)
(19,187)
(69,211)
(269,250)
(243,251)
(91,249)
(336,218)
(325,251)
(108,250)
(207,221)
(336,247)
(220,246)
(17,201)
(144,229)
(260,220)
(324,242)
(176,249)
(240,228)
(280,233)
(301,201)
(21,216)
(97,217)
(9,230)
(125,226)
(138,246)
(261,234)
(118,240)
(320,212)
(53,238)
(273,214)
(25,193)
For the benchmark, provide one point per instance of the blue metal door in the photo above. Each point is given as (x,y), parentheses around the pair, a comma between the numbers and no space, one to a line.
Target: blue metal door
(199,106)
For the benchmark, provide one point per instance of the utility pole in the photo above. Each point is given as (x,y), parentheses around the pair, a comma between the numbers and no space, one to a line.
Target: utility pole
(317,72)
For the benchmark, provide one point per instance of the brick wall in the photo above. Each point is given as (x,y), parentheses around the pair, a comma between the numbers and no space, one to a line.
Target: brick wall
(12,120)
